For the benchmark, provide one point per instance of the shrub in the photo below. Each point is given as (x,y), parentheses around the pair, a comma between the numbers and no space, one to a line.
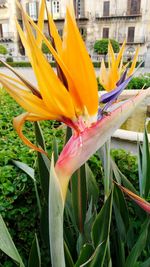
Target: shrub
(139,82)
(45,49)
(101,46)
(17,194)
(9,59)
(3,50)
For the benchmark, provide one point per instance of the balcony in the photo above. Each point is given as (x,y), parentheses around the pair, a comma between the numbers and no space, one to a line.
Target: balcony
(136,40)
(3,4)
(7,37)
(118,14)
(61,16)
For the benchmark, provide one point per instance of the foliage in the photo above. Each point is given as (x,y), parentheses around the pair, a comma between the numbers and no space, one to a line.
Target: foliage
(3,50)
(9,59)
(45,49)
(23,64)
(17,193)
(18,201)
(101,46)
(139,82)
(136,83)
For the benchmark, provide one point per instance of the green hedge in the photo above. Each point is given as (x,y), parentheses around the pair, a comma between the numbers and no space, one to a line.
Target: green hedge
(23,64)
(18,204)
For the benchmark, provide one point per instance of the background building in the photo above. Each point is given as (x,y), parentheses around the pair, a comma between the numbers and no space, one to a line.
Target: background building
(117,19)
(8,31)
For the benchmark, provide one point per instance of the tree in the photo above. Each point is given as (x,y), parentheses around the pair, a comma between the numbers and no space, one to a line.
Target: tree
(3,50)
(101,46)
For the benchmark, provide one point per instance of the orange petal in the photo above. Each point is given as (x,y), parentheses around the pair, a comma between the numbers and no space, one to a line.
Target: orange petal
(77,60)
(18,125)
(54,94)
(27,100)
(40,23)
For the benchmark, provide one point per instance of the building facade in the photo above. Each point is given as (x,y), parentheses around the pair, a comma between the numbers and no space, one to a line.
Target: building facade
(8,31)
(116,19)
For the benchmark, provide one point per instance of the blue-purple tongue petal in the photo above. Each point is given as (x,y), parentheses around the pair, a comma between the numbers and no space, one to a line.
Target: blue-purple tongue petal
(123,77)
(115,93)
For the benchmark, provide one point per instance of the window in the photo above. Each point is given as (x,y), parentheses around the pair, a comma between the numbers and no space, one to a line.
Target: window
(79,7)
(106,33)
(83,32)
(55,8)
(131,31)
(134,7)
(106,8)
(32,10)
(4,30)
(1,31)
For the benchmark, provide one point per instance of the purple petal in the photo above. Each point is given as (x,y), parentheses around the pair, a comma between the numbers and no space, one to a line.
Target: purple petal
(115,93)
(122,79)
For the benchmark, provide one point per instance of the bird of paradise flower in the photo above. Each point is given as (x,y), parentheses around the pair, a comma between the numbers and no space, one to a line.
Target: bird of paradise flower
(71,96)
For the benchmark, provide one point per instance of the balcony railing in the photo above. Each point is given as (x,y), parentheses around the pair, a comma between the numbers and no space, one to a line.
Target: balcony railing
(3,3)
(118,13)
(7,37)
(136,40)
(61,16)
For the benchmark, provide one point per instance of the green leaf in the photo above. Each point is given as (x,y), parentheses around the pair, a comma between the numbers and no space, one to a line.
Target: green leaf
(29,171)
(44,166)
(140,155)
(121,213)
(7,245)
(24,167)
(68,134)
(146,166)
(85,254)
(121,177)
(145,264)
(43,162)
(68,258)
(100,232)
(55,149)
(44,225)
(92,188)
(56,208)
(139,245)
(39,135)
(104,153)
(79,197)
(35,256)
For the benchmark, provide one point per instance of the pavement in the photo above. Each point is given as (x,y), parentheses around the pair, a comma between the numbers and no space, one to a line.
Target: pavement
(29,74)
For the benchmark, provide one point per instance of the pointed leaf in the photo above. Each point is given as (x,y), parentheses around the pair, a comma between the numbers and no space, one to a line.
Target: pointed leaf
(68,258)
(79,197)
(7,245)
(121,213)
(24,167)
(56,208)
(92,188)
(140,157)
(146,263)
(35,256)
(55,149)
(146,166)
(120,177)
(139,245)
(100,232)
(85,255)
